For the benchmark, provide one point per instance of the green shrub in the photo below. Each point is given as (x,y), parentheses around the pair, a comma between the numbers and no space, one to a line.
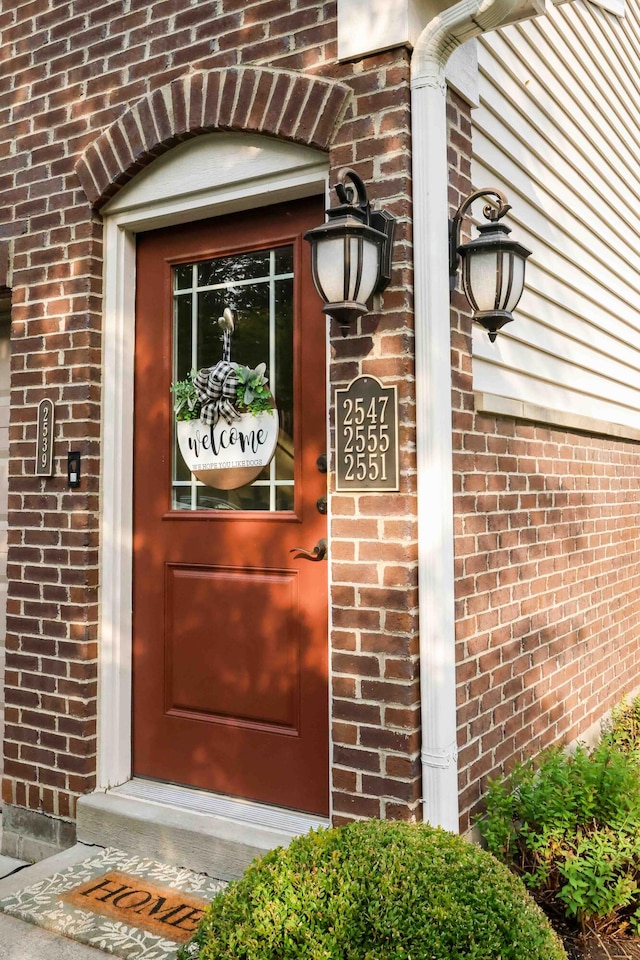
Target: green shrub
(375,890)
(570,826)
(623,729)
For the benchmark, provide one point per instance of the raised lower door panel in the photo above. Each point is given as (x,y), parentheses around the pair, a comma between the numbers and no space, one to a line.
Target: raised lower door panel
(245,667)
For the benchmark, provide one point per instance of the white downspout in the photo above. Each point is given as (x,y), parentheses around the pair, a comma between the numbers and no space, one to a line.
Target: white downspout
(441,36)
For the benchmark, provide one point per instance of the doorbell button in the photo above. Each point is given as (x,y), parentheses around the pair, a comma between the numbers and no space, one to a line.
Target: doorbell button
(73,468)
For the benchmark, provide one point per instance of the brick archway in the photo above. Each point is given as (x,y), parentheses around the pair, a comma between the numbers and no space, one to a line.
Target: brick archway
(279,103)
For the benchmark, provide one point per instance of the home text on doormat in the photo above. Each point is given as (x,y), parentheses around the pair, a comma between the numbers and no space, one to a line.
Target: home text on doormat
(170,913)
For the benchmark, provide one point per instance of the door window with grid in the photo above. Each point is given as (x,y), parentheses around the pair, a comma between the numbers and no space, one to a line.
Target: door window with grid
(258,287)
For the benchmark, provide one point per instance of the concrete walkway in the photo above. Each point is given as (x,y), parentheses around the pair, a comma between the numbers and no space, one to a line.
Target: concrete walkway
(24,941)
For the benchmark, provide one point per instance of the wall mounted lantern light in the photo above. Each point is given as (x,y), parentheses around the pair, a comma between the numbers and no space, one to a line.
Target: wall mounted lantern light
(351,252)
(492,264)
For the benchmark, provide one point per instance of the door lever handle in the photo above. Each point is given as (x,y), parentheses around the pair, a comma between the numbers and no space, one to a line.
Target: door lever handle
(319,552)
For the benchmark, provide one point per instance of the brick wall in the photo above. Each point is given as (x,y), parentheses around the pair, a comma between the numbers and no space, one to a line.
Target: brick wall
(547,576)
(545,524)
(74,69)
(373,536)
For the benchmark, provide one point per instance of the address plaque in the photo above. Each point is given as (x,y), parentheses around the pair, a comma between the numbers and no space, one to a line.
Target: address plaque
(44,438)
(367,436)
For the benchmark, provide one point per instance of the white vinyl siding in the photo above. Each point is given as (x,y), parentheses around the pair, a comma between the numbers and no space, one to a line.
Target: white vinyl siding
(558,129)
(619,7)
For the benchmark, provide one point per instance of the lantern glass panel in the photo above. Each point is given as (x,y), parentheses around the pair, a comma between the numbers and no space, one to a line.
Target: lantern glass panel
(330,268)
(347,268)
(370,254)
(480,280)
(512,267)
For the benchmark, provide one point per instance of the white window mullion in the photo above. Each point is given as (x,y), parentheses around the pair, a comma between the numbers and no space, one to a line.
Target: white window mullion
(272,366)
(194,358)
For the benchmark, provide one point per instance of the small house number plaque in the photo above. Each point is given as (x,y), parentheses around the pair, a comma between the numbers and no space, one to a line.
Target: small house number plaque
(44,439)
(367,436)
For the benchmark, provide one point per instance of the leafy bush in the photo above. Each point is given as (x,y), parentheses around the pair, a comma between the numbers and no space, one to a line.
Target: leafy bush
(375,890)
(570,826)
(623,730)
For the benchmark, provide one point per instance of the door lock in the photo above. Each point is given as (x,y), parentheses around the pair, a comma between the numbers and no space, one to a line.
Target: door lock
(319,552)
(321,504)
(321,463)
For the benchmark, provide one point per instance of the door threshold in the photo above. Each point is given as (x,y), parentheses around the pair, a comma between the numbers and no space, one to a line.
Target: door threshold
(204,832)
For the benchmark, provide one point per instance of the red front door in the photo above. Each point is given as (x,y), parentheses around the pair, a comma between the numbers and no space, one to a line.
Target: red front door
(230,628)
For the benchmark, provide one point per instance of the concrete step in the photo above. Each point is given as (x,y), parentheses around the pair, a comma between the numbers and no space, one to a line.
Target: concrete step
(203,832)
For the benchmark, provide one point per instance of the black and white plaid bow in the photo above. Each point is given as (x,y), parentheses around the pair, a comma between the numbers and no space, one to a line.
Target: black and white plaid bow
(216,388)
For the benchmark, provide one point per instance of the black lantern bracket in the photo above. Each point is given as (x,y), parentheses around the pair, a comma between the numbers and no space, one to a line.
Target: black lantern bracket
(490,211)
(354,195)
(357,236)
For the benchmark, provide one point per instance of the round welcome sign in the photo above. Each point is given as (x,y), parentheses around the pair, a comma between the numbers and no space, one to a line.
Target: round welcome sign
(229,455)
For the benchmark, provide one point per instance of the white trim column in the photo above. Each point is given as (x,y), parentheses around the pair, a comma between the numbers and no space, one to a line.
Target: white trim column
(436,585)
(434,455)
(116,547)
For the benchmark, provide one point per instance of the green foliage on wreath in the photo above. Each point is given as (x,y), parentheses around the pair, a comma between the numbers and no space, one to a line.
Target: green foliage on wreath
(253,393)
(375,890)
(186,405)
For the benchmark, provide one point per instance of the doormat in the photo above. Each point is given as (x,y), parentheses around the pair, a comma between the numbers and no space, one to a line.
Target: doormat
(133,907)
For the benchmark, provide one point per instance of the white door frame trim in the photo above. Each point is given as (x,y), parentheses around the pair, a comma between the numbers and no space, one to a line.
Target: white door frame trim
(208,176)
